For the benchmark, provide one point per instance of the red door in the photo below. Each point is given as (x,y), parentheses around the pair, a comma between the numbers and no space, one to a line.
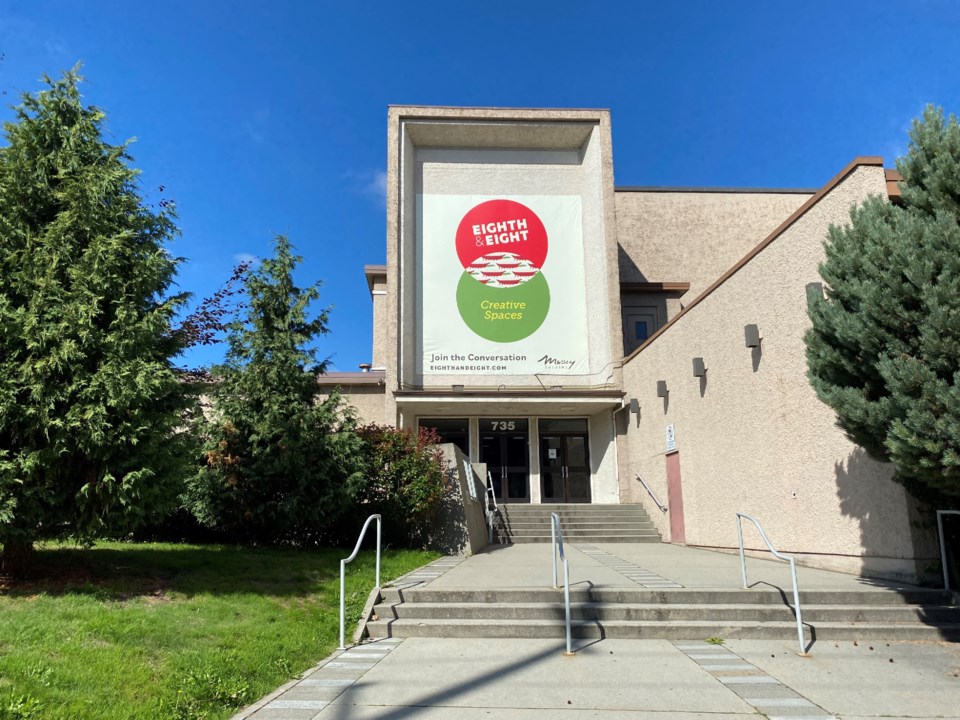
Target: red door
(675,499)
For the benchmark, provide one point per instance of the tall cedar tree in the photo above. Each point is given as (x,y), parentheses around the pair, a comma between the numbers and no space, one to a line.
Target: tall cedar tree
(281,464)
(89,401)
(884,349)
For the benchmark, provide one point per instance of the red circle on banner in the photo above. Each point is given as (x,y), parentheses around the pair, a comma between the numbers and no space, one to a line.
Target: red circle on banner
(504,226)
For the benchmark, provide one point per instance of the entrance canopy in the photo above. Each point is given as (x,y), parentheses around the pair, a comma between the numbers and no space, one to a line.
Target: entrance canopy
(472,402)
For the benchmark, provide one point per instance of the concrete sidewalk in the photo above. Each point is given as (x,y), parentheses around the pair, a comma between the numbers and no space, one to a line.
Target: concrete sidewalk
(651,679)
(530,679)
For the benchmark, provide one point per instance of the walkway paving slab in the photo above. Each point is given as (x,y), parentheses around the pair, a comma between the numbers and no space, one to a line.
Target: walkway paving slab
(923,679)
(613,675)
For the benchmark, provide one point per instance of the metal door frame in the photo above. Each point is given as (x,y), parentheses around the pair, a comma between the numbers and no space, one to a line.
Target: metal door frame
(585,434)
(503,435)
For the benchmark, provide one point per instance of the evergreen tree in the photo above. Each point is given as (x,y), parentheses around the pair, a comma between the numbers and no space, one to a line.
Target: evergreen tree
(884,349)
(280,464)
(89,401)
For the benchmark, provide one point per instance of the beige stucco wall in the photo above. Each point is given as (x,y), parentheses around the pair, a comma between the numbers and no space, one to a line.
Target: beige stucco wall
(754,437)
(603,459)
(381,315)
(366,400)
(461,527)
(693,236)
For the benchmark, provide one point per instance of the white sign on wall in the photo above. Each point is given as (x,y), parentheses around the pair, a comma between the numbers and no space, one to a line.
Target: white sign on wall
(671,438)
(501,285)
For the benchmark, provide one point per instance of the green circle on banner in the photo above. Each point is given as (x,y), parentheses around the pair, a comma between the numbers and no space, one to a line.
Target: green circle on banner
(503,314)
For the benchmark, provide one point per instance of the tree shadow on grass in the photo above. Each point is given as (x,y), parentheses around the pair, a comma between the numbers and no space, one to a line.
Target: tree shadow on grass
(118,572)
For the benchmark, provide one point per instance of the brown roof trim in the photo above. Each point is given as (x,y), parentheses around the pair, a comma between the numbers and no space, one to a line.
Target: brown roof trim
(893,188)
(867,160)
(372,272)
(487,108)
(670,189)
(374,377)
(654,287)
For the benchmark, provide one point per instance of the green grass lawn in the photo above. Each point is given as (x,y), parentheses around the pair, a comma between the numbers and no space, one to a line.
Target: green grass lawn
(136,631)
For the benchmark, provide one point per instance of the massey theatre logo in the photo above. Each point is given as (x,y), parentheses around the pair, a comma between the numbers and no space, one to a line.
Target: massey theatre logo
(502,294)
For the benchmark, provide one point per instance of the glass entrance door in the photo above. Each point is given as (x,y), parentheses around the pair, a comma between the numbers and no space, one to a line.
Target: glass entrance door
(564,461)
(505,448)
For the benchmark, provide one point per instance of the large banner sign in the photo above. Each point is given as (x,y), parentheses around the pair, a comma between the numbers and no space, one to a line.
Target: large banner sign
(502,285)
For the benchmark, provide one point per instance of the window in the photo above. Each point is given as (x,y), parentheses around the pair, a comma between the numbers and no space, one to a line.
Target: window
(639,323)
(641,331)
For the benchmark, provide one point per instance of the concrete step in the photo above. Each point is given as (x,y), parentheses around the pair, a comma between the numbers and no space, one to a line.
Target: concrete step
(693,630)
(565,511)
(564,521)
(571,530)
(593,538)
(580,525)
(524,523)
(673,613)
(613,517)
(593,529)
(682,596)
(607,612)
(569,522)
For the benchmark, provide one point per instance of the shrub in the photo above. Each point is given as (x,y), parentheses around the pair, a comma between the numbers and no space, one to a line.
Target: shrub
(403,481)
(279,463)
(884,349)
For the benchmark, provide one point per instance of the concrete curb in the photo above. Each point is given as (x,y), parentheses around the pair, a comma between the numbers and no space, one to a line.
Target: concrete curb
(361,630)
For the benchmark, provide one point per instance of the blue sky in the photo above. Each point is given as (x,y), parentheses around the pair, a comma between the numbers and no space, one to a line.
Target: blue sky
(270,117)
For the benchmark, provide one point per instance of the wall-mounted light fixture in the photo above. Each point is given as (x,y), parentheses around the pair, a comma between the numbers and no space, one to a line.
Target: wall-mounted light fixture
(699,369)
(661,388)
(634,406)
(457,388)
(751,335)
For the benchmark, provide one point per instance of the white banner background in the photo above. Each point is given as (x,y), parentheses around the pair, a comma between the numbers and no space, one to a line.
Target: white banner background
(449,346)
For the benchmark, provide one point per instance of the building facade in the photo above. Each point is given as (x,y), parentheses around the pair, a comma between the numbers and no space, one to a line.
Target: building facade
(595,344)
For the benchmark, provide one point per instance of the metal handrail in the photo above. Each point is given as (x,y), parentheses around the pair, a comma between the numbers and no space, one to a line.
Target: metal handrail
(943,545)
(781,556)
(343,565)
(491,513)
(468,473)
(663,508)
(555,534)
